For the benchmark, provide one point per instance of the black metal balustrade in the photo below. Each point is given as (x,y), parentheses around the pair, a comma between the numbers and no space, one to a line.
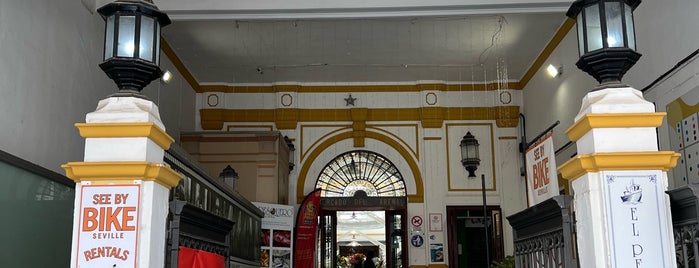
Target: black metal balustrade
(207,214)
(683,202)
(544,235)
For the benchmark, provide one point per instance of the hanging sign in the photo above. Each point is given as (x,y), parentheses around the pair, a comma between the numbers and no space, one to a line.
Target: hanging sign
(108,225)
(305,230)
(542,179)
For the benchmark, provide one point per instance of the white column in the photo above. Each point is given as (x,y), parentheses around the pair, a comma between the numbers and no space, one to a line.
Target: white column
(122,187)
(619,180)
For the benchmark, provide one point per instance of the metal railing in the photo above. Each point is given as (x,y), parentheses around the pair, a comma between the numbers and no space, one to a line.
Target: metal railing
(683,202)
(213,203)
(544,235)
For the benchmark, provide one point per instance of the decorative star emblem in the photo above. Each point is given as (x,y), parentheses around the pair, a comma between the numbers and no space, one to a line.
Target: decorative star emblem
(349,100)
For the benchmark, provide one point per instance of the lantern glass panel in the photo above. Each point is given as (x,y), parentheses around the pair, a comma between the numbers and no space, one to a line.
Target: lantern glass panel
(630,36)
(127,31)
(594,28)
(109,38)
(145,46)
(581,34)
(615,28)
(157,43)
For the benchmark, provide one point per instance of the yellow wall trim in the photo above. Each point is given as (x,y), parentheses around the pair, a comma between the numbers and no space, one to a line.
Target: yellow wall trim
(121,171)
(432,138)
(507,138)
(550,47)
(213,119)
(621,120)
(170,53)
(583,164)
(418,197)
(126,130)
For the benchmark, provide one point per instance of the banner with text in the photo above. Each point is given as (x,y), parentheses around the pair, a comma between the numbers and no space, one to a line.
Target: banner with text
(542,177)
(277,226)
(305,230)
(108,225)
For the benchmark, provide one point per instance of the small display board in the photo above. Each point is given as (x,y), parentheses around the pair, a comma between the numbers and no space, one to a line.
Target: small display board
(108,225)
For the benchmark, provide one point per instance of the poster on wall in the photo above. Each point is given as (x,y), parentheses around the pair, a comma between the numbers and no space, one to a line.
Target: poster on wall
(542,178)
(683,124)
(277,231)
(108,222)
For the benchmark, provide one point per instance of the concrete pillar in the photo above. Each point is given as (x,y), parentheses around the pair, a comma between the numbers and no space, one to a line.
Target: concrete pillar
(122,187)
(619,180)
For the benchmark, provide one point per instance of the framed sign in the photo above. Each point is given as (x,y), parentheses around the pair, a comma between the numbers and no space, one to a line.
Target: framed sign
(108,225)
(436,222)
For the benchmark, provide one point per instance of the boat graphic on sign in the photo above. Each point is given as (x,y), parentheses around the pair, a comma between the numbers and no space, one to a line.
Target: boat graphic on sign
(632,194)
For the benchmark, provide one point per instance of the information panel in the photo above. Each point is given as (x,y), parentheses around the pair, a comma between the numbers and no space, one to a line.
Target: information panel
(108,225)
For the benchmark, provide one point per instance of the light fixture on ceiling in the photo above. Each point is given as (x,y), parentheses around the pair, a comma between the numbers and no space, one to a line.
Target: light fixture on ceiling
(260,70)
(554,71)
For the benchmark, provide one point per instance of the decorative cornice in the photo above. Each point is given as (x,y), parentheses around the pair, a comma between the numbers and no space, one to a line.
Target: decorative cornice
(123,130)
(583,164)
(358,88)
(431,117)
(621,120)
(122,171)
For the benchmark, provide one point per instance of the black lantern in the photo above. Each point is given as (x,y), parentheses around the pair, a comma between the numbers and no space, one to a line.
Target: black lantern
(606,37)
(292,153)
(132,43)
(469,154)
(230,177)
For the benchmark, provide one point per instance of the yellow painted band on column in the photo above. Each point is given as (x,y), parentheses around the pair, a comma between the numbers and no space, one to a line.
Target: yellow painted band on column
(622,120)
(116,171)
(583,164)
(123,130)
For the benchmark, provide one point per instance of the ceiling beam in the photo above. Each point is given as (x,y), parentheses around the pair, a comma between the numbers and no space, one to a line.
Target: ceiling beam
(315,9)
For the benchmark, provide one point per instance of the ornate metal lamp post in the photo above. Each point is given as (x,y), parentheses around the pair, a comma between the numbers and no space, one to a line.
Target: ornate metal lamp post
(470,160)
(603,174)
(132,43)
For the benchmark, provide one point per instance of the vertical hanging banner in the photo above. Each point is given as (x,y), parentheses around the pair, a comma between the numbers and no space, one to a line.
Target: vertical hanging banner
(108,225)
(305,230)
(542,177)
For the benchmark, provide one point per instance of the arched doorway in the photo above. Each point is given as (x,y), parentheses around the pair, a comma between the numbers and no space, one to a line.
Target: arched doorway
(363,210)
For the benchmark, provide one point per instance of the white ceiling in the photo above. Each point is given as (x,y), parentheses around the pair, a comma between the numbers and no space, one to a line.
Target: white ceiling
(221,44)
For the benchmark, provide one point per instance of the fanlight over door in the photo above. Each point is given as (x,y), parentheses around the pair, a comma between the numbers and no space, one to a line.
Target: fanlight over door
(360,171)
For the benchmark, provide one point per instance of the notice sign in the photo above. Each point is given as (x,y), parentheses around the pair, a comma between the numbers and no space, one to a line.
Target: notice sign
(636,207)
(542,179)
(108,225)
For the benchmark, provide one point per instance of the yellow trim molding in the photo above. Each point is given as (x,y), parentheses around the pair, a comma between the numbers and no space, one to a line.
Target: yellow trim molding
(583,164)
(418,197)
(120,171)
(430,117)
(126,130)
(550,47)
(170,53)
(621,120)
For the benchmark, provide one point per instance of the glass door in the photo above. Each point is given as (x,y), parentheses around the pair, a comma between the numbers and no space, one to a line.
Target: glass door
(328,238)
(396,249)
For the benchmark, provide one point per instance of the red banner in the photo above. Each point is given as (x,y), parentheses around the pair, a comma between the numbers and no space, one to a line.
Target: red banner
(305,230)
(194,258)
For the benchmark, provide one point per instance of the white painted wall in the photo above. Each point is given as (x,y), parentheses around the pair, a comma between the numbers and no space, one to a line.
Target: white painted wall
(664,34)
(50,78)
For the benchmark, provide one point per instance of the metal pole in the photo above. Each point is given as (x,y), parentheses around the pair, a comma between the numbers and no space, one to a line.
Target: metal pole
(485,223)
